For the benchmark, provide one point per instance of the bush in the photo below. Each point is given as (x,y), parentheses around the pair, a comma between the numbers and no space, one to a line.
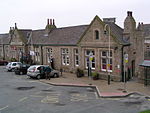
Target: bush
(13,60)
(95,75)
(79,72)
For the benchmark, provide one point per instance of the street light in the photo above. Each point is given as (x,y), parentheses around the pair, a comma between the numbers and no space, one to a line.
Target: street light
(21,55)
(108,65)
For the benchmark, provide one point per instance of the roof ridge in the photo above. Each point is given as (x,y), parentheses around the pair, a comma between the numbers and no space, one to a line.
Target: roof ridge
(73,26)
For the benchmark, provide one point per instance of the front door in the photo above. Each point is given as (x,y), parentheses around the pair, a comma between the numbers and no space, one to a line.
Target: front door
(133,68)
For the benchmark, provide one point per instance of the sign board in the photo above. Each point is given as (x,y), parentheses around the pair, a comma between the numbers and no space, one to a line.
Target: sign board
(126,58)
(32,53)
(91,56)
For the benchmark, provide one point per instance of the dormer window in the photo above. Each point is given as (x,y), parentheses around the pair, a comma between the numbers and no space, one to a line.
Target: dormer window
(96,34)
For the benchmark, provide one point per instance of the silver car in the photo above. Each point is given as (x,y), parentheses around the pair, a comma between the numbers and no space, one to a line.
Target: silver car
(34,72)
(12,65)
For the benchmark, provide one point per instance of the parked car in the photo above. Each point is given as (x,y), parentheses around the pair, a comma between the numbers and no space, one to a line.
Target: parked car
(12,65)
(3,62)
(22,69)
(35,72)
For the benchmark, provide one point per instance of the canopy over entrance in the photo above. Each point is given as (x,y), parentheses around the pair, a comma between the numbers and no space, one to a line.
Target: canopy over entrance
(146,65)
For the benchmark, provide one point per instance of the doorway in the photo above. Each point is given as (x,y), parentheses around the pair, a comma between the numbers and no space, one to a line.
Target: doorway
(133,68)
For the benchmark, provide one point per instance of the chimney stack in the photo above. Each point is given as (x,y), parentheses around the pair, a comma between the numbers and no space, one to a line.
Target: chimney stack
(53,22)
(47,21)
(15,25)
(129,13)
(50,21)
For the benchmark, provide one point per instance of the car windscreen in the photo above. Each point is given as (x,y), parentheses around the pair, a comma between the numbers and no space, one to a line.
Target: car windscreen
(14,64)
(32,68)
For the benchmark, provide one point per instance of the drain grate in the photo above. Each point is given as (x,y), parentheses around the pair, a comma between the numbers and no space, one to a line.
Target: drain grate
(25,88)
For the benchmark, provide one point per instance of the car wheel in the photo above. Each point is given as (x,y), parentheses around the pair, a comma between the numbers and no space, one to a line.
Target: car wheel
(38,76)
(12,69)
(55,75)
(21,73)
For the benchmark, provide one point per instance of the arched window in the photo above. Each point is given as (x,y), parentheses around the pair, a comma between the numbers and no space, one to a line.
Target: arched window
(96,34)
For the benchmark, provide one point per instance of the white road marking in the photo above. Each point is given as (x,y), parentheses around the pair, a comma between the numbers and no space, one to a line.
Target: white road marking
(96,95)
(49,88)
(4,108)
(36,96)
(22,99)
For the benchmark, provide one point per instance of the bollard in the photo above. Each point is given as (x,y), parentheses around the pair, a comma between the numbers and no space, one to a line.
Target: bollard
(61,70)
(108,79)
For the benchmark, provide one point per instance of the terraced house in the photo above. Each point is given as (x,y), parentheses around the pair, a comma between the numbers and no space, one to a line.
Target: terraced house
(68,48)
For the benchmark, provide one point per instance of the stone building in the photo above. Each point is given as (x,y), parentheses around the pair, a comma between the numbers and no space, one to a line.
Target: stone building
(68,48)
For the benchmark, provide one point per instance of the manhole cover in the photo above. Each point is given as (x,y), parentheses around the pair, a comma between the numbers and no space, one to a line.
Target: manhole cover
(25,88)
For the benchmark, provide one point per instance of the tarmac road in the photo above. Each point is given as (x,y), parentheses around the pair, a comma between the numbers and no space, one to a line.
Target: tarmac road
(19,94)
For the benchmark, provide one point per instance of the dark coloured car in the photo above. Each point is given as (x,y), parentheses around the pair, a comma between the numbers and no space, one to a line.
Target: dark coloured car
(22,69)
(3,62)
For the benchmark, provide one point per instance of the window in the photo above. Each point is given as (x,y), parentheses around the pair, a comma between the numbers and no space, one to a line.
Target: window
(37,55)
(87,53)
(49,54)
(65,56)
(147,55)
(105,61)
(96,34)
(76,57)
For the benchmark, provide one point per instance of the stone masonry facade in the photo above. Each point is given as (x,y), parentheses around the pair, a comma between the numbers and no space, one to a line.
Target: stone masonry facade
(69,48)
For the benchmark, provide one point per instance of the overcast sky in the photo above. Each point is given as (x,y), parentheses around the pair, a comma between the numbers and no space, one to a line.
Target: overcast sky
(33,14)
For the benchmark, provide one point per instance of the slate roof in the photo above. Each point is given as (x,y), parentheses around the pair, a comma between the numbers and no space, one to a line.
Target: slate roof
(71,35)
(117,32)
(146,28)
(4,38)
(59,36)
(145,63)
(25,33)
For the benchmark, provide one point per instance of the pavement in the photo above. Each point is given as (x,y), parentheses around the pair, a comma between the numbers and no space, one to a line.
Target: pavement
(115,89)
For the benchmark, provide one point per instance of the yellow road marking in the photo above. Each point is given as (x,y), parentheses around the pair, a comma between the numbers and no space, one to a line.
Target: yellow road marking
(22,99)
(4,108)
(148,99)
(79,97)
(50,99)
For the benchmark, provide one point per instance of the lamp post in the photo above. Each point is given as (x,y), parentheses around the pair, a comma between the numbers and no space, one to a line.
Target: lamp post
(21,55)
(108,65)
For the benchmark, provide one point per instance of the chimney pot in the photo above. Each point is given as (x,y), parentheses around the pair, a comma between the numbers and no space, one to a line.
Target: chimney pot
(129,13)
